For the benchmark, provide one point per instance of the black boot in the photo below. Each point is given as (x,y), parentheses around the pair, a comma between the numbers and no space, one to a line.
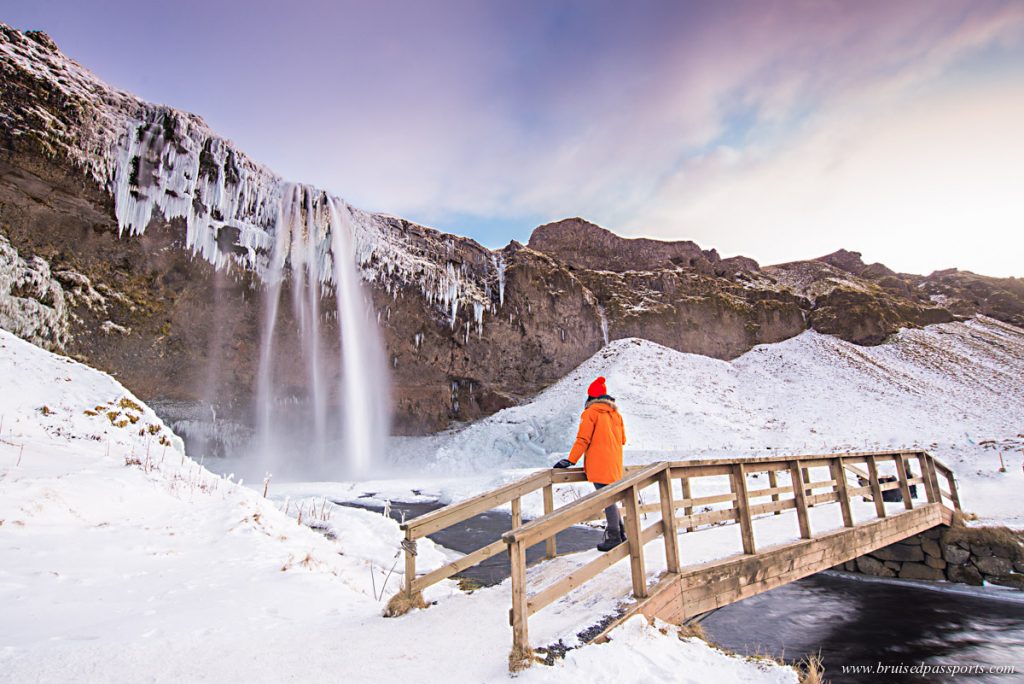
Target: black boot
(612,538)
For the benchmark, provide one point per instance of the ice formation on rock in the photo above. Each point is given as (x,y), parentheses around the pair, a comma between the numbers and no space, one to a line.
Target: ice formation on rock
(158,163)
(32,301)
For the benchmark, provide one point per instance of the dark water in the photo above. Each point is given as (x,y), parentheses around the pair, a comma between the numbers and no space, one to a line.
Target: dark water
(854,622)
(483,529)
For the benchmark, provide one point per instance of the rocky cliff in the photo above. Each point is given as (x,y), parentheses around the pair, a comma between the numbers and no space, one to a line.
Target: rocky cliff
(134,237)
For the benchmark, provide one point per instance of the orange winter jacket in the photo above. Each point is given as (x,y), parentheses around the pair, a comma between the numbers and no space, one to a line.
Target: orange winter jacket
(600,437)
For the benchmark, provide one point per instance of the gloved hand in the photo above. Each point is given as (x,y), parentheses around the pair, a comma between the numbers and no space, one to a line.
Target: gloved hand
(564,463)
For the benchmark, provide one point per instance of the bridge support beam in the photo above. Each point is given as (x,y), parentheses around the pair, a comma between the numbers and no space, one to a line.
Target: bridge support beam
(701,588)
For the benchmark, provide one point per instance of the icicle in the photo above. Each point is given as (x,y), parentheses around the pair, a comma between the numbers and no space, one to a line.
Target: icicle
(478,317)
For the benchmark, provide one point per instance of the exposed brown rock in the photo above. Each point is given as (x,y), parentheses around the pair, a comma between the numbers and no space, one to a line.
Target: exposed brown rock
(994,565)
(920,571)
(931,547)
(873,566)
(964,574)
(900,552)
(582,244)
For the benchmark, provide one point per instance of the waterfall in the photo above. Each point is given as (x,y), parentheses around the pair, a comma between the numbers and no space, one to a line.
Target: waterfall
(604,323)
(365,390)
(337,426)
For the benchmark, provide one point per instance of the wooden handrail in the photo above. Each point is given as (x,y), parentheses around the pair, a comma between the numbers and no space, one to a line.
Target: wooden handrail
(739,510)
(578,511)
(460,511)
(466,509)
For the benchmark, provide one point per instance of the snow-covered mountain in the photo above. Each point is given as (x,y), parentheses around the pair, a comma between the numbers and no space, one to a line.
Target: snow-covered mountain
(955,389)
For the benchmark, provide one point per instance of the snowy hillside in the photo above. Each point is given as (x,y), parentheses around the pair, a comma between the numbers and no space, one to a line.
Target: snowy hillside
(955,389)
(123,560)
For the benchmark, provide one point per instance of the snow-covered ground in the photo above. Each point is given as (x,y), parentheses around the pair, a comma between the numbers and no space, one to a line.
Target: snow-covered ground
(955,389)
(123,560)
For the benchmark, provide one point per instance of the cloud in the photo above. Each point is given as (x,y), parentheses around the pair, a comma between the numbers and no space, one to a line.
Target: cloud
(666,118)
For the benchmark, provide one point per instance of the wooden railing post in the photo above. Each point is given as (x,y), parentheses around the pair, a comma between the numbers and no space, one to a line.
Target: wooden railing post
(807,479)
(520,633)
(931,484)
(668,519)
(517,512)
(551,545)
(901,473)
(738,479)
(773,482)
(687,494)
(876,489)
(800,496)
(410,563)
(636,546)
(951,481)
(839,475)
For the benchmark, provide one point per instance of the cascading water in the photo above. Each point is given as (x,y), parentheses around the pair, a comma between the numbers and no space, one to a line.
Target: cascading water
(337,425)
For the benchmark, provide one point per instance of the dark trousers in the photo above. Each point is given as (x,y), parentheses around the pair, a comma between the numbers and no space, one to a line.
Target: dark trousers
(611,515)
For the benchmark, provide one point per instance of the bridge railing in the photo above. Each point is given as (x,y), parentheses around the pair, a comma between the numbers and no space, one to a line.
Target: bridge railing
(723,500)
(458,512)
(461,511)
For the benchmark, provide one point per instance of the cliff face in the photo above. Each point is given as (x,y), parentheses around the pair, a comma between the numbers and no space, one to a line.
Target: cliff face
(134,237)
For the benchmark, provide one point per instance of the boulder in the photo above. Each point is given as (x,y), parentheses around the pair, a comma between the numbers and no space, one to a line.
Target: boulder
(873,566)
(933,533)
(1019,566)
(892,565)
(1004,551)
(954,555)
(982,550)
(900,552)
(931,547)
(994,565)
(964,574)
(934,562)
(921,571)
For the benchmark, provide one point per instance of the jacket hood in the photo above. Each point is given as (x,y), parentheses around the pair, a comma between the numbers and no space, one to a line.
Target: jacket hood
(605,403)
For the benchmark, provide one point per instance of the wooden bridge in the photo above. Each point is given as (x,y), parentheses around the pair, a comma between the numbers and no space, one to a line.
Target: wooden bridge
(709,493)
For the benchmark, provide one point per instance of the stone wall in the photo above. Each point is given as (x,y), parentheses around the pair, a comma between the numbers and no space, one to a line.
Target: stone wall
(968,555)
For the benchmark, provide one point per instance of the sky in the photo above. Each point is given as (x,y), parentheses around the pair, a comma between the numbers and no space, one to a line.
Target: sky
(776,130)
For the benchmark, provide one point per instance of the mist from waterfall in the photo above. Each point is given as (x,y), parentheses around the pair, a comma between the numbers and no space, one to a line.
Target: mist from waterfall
(322,403)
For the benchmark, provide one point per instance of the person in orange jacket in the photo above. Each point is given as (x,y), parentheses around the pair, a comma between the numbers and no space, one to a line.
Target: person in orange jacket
(599,441)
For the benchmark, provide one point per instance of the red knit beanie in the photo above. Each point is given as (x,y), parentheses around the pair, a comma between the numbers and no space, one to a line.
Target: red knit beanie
(597,389)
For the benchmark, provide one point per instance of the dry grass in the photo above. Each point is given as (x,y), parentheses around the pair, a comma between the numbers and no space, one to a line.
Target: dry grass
(401,603)
(469,585)
(127,403)
(694,630)
(810,670)
(520,658)
(961,518)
